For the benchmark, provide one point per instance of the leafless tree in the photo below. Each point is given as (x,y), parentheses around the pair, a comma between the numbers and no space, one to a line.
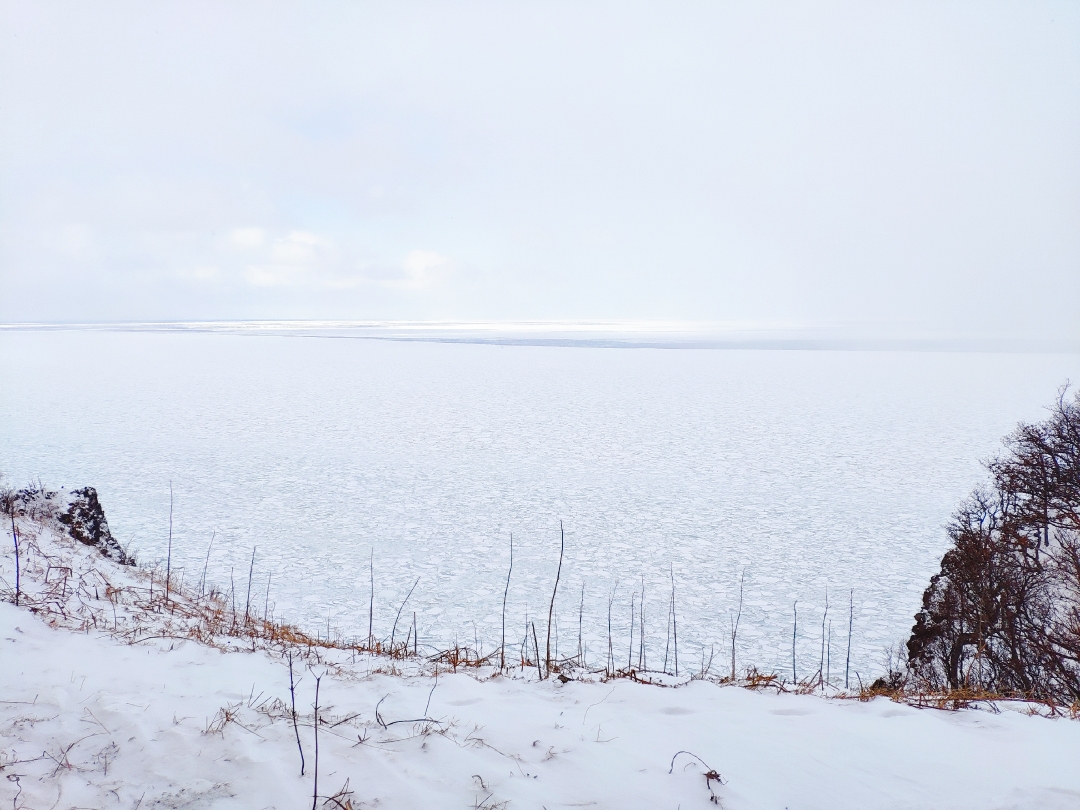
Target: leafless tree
(1003,613)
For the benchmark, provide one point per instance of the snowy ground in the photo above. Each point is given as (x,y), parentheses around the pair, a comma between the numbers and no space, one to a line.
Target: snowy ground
(118,716)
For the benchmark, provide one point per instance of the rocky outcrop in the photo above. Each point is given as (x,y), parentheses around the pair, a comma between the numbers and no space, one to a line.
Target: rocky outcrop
(80,512)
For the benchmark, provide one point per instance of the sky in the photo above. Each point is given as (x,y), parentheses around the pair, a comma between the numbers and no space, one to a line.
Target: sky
(900,167)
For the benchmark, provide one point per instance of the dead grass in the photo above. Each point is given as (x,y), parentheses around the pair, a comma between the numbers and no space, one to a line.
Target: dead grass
(71,586)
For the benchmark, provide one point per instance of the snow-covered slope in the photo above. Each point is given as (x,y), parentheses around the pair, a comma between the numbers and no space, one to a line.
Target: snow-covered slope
(131,713)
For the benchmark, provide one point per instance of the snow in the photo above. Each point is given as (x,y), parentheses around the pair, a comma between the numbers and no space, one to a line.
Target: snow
(810,470)
(126,718)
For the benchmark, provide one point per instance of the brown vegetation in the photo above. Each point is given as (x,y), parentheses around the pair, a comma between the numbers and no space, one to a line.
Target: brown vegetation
(1003,614)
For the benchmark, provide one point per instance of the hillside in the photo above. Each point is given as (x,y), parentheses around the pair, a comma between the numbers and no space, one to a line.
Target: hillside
(115,697)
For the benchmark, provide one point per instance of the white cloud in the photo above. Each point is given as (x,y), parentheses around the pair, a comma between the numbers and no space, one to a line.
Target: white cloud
(300,259)
(753,161)
(424,269)
(247,237)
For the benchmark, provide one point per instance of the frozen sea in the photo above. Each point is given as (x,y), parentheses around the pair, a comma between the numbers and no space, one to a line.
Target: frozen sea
(807,470)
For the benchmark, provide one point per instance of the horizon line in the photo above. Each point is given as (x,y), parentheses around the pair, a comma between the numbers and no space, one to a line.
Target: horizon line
(594,333)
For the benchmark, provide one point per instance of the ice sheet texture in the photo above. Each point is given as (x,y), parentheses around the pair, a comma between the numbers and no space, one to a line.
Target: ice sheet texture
(808,470)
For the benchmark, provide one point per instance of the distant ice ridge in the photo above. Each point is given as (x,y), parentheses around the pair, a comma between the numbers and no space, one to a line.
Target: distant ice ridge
(609,334)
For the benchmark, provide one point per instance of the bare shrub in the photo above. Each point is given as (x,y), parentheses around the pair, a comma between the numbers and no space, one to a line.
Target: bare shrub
(1003,614)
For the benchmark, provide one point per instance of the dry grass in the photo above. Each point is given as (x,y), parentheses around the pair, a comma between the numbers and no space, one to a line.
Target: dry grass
(71,585)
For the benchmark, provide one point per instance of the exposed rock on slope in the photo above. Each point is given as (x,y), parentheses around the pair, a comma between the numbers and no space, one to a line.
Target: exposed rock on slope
(79,510)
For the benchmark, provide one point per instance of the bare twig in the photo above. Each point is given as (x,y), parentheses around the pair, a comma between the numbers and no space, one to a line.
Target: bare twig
(674,624)
(610,646)
(378,717)
(396,618)
(371,604)
(551,607)
(315,789)
(506,591)
(821,663)
(828,656)
(667,640)
(247,601)
(794,630)
(206,562)
(432,692)
(15,537)
(536,647)
(424,719)
(641,662)
(168,558)
(735,623)
(851,619)
(689,754)
(711,775)
(266,600)
(296,728)
(580,615)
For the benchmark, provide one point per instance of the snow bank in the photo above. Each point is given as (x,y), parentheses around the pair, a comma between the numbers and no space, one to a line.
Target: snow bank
(131,712)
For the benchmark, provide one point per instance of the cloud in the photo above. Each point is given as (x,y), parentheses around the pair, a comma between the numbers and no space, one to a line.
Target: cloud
(424,269)
(247,237)
(756,161)
(300,259)
(303,259)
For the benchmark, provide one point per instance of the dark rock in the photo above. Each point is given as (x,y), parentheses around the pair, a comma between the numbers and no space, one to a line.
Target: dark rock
(85,521)
(80,512)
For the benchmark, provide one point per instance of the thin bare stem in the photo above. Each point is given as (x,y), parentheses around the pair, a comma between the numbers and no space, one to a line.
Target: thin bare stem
(266,600)
(794,630)
(667,640)
(580,615)
(168,557)
(735,623)
(206,562)
(506,592)
(851,620)
(247,601)
(296,727)
(674,625)
(610,647)
(536,647)
(828,656)
(551,607)
(525,643)
(821,663)
(641,662)
(396,618)
(15,537)
(315,789)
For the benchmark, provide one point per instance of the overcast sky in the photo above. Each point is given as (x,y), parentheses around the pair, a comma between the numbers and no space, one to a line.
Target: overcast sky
(903,166)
